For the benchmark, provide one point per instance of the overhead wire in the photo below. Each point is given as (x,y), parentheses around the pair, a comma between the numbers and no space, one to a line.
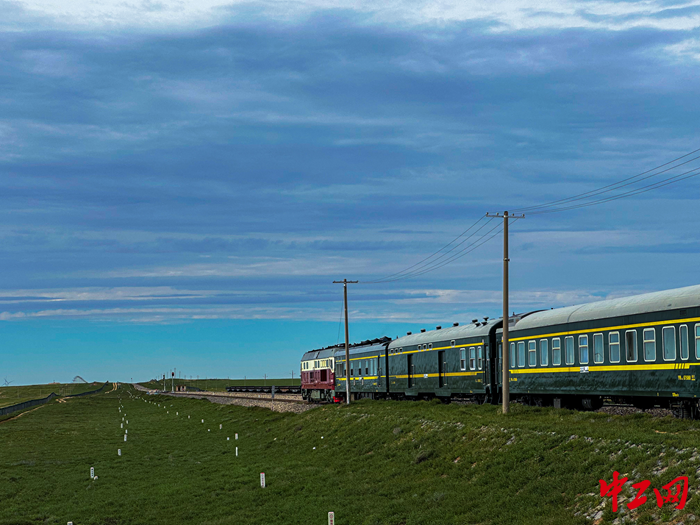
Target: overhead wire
(437,252)
(432,262)
(615,185)
(474,246)
(464,251)
(659,184)
(397,275)
(340,321)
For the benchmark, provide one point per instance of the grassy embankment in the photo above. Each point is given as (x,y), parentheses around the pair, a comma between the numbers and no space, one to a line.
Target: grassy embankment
(10,395)
(219,385)
(374,463)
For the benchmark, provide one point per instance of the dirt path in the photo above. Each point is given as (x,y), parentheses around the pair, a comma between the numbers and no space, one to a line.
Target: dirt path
(20,415)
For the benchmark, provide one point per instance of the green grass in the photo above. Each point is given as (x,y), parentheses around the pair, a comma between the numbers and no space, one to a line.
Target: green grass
(395,463)
(219,385)
(10,395)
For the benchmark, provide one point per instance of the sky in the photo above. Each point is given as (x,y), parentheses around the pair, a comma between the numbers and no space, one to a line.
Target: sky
(181,182)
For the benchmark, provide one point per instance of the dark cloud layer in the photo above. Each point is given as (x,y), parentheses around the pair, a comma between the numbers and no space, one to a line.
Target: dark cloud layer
(278,157)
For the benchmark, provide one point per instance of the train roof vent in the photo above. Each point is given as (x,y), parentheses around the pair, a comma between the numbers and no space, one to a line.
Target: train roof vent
(409,333)
(438,328)
(475,321)
(486,320)
(455,324)
(422,330)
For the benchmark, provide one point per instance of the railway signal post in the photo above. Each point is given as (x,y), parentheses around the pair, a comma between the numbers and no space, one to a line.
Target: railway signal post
(345,283)
(505,388)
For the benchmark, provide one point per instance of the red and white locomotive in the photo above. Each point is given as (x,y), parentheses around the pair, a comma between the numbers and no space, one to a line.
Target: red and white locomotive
(317,374)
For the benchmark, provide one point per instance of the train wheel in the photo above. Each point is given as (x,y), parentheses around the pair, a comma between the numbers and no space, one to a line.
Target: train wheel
(591,403)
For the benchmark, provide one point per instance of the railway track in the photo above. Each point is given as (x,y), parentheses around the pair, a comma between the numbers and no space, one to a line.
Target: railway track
(265,389)
(279,398)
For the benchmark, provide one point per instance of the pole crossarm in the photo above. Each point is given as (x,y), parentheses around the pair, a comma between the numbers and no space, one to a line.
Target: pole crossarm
(345,283)
(509,215)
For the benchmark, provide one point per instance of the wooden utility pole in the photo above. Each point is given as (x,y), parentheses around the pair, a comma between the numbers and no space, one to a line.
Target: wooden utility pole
(505,387)
(345,283)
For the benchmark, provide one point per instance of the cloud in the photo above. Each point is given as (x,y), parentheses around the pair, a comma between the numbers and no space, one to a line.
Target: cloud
(689,48)
(500,15)
(190,171)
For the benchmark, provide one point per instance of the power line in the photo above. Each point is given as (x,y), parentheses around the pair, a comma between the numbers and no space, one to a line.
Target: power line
(476,244)
(397,276)
(431,263)
(615,185)
(434,254)
(659,184)
(340,321)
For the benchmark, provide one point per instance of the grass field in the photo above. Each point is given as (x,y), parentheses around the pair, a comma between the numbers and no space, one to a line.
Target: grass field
(10,395)
(219,385)
(396,463)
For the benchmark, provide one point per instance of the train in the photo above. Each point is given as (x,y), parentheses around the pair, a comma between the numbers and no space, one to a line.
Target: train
(642,350)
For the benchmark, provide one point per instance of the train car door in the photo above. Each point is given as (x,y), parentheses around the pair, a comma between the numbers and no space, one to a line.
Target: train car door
(499,372)
(409,368)
(442,369)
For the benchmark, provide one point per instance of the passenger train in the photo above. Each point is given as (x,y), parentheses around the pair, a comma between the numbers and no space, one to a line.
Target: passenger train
(643,350)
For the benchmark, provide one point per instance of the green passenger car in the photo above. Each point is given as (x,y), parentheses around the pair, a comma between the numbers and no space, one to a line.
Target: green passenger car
(454,362)
(644,350)
(367,370)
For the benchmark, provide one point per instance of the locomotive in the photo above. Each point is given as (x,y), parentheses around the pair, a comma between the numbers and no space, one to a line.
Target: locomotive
(642,350)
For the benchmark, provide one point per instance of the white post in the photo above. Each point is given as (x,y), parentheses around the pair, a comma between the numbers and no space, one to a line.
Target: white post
(331,518)
(262,479)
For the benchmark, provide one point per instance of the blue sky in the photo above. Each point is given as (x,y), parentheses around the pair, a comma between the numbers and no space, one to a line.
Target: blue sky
(180,182)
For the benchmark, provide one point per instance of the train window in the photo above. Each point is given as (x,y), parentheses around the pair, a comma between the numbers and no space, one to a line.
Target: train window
(430,346)
(532,353)
(669,339)
(521,354)
(512,355)
(472,358)
(631,345)
(452,342)
(598,355)
(352,370)
(583,349)
(684,341)
(463,358)
(697,341)
(569,345)
(614,345)
(556,351)
(544,352)
(366,367)
(649,344)
(480,357)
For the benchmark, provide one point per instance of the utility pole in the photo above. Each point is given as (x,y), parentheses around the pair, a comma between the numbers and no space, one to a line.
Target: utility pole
(505,388)
(345,283)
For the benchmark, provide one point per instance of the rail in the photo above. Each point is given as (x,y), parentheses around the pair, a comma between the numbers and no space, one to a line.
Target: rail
(265,389)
